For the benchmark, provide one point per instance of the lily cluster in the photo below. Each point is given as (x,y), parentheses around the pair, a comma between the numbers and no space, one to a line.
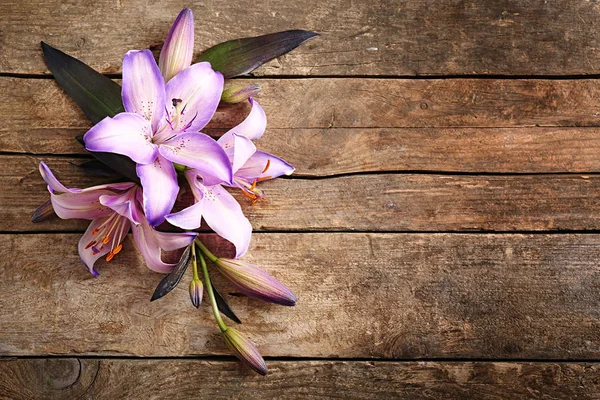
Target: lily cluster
(166,105)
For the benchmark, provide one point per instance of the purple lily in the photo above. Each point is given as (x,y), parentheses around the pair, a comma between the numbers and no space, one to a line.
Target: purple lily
(218,207)
(160,127)
(113,209)
(248,164)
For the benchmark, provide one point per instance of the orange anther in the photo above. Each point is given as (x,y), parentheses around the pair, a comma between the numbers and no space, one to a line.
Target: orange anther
(263,178)
(117,249)
(90,244)
(95,231)
(253,186)
(267,166)
(248,195)
(106,239)
(110,256)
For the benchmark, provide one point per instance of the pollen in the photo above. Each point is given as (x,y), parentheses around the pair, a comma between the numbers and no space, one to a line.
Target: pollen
(90,244)
(106,239)
(117,249)
(95,231)
(110,256)
(263,178)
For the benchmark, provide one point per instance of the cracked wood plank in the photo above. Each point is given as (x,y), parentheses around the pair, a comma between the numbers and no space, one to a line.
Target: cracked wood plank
(183,379)
(389,296)
(395,38)
(320,103)
(381,202)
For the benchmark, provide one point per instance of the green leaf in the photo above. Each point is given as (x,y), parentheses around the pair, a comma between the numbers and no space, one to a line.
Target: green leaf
(97,95)
(223,306)
(240,56)
(171,281)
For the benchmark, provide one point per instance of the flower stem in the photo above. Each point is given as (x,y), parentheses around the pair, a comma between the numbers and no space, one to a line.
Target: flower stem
(194,263)
(206,252)
(211,295)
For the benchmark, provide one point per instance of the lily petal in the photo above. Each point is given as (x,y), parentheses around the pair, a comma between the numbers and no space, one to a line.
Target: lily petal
(198,151)
(238,149)
(122,203)
(255,123)
(125,133)
(176,54)
(83,205)
(149,242)
(159,181)
(224,215)
(263,166)
(54,185)
(188,218)
(143,90)
(199,88)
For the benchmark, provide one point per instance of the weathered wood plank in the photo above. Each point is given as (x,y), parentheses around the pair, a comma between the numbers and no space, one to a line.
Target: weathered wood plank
(388,202)
(352,103)
(405,296)
(183,379)
(363,38)
(321,152)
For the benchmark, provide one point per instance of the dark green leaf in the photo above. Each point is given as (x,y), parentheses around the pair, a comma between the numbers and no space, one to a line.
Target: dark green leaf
(117,162)
(223,306)
(98,168)
(170,281)
(240,56)
(97,95)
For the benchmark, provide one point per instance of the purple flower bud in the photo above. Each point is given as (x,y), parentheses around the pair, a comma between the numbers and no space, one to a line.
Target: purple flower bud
(196,292)
(254,282)
(43,212)
(239,93)
(176,54)
(245,350)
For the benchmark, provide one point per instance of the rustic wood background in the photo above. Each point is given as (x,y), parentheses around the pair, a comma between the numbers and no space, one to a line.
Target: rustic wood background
(442,231)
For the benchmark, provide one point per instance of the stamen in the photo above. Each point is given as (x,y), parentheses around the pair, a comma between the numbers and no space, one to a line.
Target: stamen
(263,178)
(267,166)
(106,239)
(110,256)
(253,186)
(252,196)
(90,244)
(95,231)
(117,249)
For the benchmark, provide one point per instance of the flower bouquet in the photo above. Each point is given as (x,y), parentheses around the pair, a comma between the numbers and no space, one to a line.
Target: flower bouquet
(169,176)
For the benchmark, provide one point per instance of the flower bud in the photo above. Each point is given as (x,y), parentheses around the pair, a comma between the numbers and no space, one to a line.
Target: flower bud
(245,350)
(196,292)
(43,212)
(239,93)
(176,54)
(254,282)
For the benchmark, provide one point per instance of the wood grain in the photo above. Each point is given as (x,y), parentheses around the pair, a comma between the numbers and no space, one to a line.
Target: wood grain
(382,37)
(384,202)
(391,296)
(183,379)
(352,103)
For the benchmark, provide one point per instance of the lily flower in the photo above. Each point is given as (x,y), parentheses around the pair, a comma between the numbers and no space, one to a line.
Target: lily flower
(216,205)
(114,209)
(249,165)
(160,127)
(178,49)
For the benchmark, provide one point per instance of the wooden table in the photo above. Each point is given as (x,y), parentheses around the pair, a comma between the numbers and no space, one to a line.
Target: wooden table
(441,230)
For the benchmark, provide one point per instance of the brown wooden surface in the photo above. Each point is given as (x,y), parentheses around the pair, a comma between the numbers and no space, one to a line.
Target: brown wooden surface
(407,37)
(389,135)
(183,379)
(385,296)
